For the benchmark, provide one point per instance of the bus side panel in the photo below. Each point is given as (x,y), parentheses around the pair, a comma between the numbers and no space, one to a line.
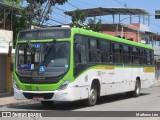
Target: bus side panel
(150,77)
(110,80)
(136,74)
(126,83)
(83,83)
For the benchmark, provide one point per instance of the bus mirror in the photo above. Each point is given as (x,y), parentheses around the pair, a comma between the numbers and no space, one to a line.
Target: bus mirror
(9,51)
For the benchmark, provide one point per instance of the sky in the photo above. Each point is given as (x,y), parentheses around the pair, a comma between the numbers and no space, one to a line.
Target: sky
(149,5)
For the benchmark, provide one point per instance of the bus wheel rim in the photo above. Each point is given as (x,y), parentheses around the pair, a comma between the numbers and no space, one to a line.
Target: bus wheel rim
(93,95)
(138,89)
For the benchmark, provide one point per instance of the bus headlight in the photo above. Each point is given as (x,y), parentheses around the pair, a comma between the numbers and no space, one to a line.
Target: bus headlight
(64,85)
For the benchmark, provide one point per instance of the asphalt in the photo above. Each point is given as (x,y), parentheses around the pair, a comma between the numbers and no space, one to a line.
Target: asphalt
(9,99)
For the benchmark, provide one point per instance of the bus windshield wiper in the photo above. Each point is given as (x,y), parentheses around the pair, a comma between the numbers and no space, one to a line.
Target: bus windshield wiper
(30,47)
(49,50)
(51,46)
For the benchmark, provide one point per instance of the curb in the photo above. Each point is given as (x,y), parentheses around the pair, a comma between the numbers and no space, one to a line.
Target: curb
(19,103)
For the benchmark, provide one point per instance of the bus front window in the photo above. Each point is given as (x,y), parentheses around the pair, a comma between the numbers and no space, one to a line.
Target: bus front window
(52,57)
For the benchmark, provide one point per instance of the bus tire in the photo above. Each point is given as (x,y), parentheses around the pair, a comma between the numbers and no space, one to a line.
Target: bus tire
(47,103)
(136,92)
(92,99)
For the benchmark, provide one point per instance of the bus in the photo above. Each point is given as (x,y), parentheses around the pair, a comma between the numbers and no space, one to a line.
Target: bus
(70,64)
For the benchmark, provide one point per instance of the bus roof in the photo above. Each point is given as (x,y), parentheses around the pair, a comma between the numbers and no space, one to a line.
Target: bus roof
(109,37)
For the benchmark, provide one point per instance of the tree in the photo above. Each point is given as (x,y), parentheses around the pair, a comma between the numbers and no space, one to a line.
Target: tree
(19,23)
(16,3)
(79,20)
(39,11)
(95,26)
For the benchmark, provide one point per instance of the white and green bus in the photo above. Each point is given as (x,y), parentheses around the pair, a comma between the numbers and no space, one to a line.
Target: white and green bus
(70,64)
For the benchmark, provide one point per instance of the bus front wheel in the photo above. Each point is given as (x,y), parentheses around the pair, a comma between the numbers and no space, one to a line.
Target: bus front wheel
(92,99)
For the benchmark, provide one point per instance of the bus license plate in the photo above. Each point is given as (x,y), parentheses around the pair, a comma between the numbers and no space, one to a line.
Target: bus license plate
(39,98)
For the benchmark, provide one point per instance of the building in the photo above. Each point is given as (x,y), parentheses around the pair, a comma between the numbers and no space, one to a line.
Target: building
(6,38)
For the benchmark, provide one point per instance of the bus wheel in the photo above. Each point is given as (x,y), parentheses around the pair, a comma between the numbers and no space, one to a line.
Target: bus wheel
(91,101)
(136,92)
(47,103)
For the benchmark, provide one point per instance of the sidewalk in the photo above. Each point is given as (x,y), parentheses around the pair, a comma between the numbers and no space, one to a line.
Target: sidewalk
(157,83)
(10,100)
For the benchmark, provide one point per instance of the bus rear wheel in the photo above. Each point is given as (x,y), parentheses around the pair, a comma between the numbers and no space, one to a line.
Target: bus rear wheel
(47,103)
(136,92)
(91,101)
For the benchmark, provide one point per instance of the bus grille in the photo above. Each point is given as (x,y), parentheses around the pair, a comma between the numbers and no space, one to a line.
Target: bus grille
(44,95)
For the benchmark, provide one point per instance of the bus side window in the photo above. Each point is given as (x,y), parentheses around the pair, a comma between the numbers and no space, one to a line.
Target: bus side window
(130,55)
(135,55)
(80,54)
(80,49)
(142,57)
(111,53)
(117,53)
(149,59)
(105,51)
(93,50)
(126,56)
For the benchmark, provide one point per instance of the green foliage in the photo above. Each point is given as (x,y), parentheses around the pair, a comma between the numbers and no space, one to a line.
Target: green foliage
(19,23)
(37,14)
(78,16)
(95,26)
(78,20)
(16,3)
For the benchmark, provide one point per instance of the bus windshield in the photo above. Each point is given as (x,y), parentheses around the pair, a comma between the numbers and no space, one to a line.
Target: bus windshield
(49,59)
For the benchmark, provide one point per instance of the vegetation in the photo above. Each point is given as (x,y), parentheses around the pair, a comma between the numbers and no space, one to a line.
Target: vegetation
(37,14)
(16,3)
(79,19)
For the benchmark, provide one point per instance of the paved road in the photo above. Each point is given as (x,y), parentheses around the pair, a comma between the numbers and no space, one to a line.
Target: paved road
(148,101)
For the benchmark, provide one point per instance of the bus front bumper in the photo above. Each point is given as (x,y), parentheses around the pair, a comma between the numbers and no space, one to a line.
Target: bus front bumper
(69,94)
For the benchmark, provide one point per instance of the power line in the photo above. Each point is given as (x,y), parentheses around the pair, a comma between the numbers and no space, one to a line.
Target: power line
(56,21)
(59,9)
(72,5)
(61,15)
(121,3)
(84,3)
